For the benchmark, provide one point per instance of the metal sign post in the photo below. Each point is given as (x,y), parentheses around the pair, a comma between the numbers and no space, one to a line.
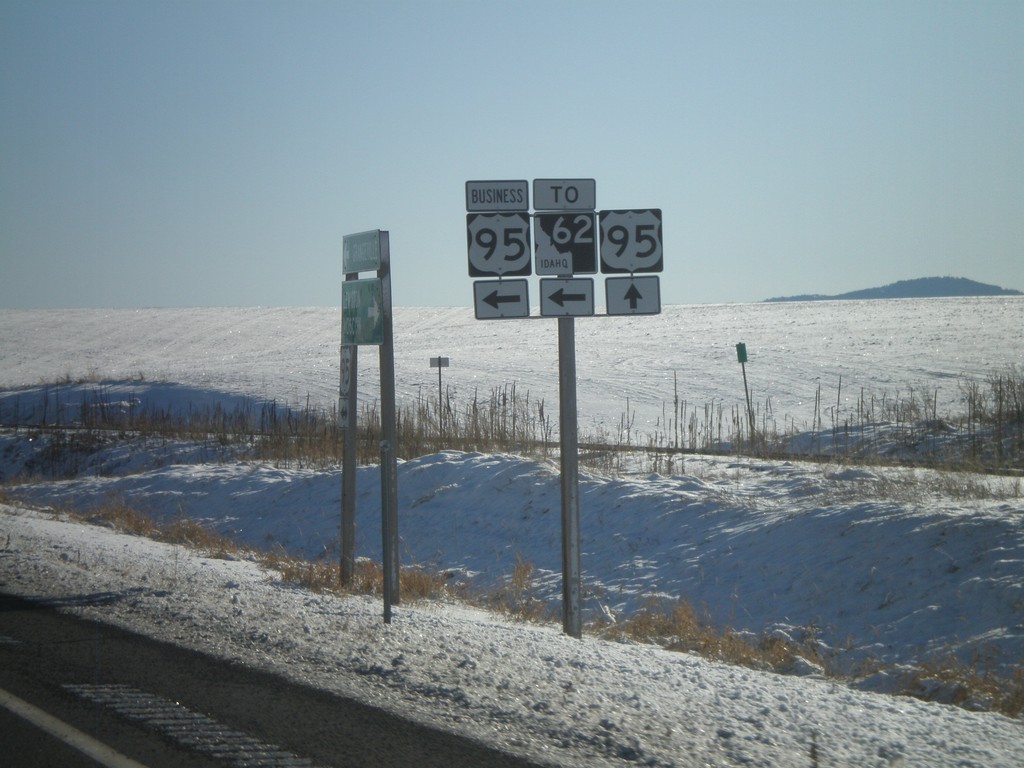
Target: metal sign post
(389,440)
(348,402)
(568,434)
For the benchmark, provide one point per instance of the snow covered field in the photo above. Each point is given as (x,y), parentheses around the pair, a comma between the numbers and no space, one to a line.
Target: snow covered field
(878,347)
(882,568)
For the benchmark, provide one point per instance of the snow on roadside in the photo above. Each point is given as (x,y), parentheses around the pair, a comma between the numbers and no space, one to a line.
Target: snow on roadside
(872,566)
(527,689)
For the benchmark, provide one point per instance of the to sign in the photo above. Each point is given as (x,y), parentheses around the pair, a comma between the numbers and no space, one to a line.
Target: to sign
(564,194)
(501,298)
(362,312)
(499,244)
(497,196)
(633,295)
(572,297)
(564,243)
(361,252)
(631,241)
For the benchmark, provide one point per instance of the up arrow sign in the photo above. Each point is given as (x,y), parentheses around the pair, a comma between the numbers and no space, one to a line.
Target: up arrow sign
(567,297)
(633,295)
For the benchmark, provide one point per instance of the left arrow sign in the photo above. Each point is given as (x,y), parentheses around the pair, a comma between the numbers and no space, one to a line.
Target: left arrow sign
(501,298)
(567,297)
(496,299)
(560,297)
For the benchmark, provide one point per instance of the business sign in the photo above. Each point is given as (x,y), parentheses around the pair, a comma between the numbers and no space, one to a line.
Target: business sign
(362,312)
(493,299)
(565,243)
(564,194)
(631,241)
(361,252)
(633,295)
(497,196)
(567,297)
(499,244)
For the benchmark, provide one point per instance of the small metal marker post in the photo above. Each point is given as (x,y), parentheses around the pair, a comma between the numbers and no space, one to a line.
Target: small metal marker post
(741,355)
(439,363)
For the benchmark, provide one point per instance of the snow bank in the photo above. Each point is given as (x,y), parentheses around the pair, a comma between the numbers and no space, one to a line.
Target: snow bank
(873,567)
(527,689)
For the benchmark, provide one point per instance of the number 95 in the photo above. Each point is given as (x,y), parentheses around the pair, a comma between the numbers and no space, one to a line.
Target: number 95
(631,241)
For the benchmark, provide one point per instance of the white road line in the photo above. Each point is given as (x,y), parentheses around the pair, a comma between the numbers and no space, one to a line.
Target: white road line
(85,744)
(190,729)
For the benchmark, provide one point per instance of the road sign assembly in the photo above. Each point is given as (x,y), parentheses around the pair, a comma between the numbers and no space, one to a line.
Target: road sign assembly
(569,235)
(366,319)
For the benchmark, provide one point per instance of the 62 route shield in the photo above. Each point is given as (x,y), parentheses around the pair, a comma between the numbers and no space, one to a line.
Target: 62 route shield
(631,241)
(499,244)
(565,243)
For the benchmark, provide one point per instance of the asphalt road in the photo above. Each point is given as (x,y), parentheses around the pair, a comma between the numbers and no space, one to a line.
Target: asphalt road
(160,705)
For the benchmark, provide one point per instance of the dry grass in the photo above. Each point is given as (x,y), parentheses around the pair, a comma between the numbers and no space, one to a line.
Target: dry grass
(676,626)
(971,684)
(517,597)
(947,679)
(116,512)
(989,434)
(322,576)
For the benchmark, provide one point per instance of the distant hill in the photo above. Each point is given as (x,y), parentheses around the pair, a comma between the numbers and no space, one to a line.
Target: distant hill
(921,288)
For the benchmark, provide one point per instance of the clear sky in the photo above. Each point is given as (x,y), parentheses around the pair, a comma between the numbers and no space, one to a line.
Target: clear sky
(193,153)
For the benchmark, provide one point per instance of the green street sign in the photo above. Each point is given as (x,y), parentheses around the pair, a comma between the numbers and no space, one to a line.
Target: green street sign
(741,352)
(361,252)
(362,312)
